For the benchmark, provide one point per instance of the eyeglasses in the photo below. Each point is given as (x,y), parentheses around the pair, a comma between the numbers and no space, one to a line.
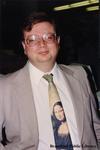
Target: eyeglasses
(35,39)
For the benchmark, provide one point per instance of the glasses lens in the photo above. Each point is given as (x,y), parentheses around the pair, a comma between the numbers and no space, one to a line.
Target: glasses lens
(31,40)
(50,37)
(35,39)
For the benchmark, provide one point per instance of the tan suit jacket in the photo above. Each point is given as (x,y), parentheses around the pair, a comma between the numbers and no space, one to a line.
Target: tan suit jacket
(18,114)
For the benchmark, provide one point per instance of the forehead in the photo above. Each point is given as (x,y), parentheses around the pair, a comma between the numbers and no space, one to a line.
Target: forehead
(40,29)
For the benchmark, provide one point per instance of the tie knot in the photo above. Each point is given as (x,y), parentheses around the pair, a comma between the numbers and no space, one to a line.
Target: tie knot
(48,77)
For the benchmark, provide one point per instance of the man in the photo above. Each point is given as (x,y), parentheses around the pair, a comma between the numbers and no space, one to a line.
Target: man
(24,106)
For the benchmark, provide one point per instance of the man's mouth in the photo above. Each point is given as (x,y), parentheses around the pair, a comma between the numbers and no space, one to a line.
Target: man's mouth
(44,52)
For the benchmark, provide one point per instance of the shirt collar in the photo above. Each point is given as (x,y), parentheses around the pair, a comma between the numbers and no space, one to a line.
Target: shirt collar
(36,74)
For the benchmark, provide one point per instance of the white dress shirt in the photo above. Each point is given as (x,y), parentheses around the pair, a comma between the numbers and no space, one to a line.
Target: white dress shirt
(40,93)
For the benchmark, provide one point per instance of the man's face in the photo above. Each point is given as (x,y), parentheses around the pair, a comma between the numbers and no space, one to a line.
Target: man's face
(41,44)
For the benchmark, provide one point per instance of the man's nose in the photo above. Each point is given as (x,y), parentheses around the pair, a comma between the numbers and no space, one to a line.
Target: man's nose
(42,42)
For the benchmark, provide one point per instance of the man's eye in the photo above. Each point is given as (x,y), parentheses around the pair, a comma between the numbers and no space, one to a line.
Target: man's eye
(31,40)
(50,37)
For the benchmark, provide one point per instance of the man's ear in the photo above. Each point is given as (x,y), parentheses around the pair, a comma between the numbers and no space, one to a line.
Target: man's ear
(58,39)
(23,44)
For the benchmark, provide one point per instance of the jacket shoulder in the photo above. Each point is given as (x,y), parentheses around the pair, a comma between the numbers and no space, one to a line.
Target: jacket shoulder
(73,69)
(12,77)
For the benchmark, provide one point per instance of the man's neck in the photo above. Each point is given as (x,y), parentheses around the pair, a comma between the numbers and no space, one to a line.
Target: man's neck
(44,67)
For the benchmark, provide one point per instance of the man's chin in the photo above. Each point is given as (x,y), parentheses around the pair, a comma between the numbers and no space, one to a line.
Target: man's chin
(45,59)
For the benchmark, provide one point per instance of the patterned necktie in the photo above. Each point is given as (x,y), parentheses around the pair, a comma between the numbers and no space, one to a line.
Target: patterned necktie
(59,123)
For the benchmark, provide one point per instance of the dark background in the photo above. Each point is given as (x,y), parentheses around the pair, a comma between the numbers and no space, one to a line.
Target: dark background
(79,31)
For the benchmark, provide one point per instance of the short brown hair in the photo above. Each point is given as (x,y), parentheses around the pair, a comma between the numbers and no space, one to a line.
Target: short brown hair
(37,17)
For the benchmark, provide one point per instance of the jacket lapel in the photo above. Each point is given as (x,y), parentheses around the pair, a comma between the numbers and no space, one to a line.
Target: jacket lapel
(27,114)
(75,95)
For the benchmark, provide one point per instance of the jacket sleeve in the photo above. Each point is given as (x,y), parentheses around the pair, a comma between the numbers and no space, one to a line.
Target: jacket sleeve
(94,110)
(11,146)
